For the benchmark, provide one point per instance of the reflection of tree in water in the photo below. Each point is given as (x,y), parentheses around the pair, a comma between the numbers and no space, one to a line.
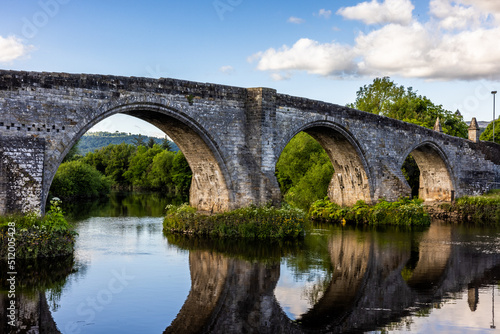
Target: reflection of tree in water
(120,204)
(315,292)
(233,282)
(35,280)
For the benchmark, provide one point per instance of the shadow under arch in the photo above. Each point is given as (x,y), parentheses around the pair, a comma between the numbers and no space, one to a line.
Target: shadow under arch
(436,181)
(211,186)
(351,180)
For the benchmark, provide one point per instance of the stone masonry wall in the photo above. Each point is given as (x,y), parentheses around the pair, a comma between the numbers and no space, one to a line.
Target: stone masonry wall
(21,174)
(231,136)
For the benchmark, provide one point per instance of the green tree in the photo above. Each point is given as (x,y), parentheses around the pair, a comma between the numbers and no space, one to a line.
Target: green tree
(78,179)
(386,98)
(304,171)
(487,135)
(181,175)
(151,142)
(140,164)
(138,141)
(73,154)
(160,176)
(113,161)
(118,162)
(166,144)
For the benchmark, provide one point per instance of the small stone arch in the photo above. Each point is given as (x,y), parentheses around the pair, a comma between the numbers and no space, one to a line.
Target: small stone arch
(436,175)
(352,179)
(211,186)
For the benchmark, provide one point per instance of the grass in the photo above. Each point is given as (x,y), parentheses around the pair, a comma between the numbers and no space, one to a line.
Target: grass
(31,236)
(404,212)
(251,222)
(477,209)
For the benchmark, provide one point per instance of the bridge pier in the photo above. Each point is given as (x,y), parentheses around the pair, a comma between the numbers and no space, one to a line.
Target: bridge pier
(21,175)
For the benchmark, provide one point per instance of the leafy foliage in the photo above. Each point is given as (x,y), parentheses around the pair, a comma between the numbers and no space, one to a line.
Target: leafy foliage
(92,141)
(252,222)
(403,212)
(139,166)
(386,98)
(487,135)
(304,171)
(78,179)
(478,209)
(124,166)
(38,237)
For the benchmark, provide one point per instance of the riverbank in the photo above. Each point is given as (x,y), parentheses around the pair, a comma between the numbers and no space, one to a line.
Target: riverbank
(404,212)
(31,236)
(252,222)
(471,209)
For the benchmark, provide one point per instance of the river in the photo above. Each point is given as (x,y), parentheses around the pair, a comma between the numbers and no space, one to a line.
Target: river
(127,276)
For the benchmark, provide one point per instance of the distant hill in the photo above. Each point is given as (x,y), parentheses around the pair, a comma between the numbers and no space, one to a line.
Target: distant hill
(92,141)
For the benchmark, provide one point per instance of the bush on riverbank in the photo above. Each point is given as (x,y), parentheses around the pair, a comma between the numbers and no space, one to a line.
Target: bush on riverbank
(78,179)
(476,209)
(403,212)
(252,222)
(37,237)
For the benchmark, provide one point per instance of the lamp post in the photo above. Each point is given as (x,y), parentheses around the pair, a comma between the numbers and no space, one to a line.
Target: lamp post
(494,92)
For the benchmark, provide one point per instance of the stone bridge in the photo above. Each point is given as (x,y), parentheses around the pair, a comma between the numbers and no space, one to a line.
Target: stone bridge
(232,138)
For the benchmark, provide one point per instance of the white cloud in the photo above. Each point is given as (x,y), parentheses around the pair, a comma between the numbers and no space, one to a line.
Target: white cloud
(308,55)
(459,41)
(395,49)
(325,13)
(228,69)
(295,20)
(373,12)
(12,48)
(452,15)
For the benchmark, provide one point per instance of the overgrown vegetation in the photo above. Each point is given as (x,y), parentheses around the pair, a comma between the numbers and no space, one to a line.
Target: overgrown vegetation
(487,135)
(303,171)
(78,179)
(403,212)
(384,97)
(37,237)
(251,222)
(124,167)
(477,209)
(92,141)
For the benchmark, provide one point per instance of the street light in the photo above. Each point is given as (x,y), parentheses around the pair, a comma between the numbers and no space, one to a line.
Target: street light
(494,92)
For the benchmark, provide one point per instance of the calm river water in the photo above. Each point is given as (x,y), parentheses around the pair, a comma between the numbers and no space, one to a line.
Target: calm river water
(127,276)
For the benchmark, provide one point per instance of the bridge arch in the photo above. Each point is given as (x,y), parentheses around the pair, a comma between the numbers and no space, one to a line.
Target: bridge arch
(351,180)
(436,182)
(211,182)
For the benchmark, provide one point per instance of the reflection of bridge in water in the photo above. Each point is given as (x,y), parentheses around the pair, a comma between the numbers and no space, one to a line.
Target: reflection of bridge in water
(376,279)
(366,291)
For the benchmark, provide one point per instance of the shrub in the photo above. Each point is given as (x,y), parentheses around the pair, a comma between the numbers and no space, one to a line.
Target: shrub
(479,209)
(77,179)
(403,212)
(37,237)
(252,222)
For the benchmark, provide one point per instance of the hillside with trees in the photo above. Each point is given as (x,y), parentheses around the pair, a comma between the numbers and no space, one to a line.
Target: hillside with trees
(123,167)
(92,141)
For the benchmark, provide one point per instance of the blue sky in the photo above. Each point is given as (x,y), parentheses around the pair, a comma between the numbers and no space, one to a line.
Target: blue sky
(447,50)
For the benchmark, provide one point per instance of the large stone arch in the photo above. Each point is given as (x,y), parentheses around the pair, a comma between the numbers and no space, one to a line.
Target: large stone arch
(211,183)
(352,179)
(436,176)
